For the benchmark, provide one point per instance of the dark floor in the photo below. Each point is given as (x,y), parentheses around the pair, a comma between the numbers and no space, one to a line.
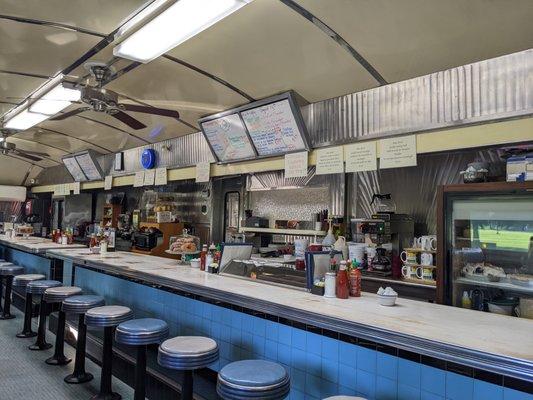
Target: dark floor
(24,375)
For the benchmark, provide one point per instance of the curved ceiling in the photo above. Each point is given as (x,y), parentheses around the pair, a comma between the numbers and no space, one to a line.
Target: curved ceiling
(320,49)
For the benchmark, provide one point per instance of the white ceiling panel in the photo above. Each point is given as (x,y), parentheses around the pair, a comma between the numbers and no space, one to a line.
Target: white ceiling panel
(94,132)
(39,49)
(30,145)
(166,82)
(102,16)
(410,38)
(17,170)
(66,143)
(15,88)
(266,47)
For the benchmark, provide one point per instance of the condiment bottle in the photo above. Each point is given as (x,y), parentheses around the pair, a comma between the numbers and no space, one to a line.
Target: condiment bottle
(355,281)
(93,242)
(465,301)
(329,284)
(342,289)
(203,256)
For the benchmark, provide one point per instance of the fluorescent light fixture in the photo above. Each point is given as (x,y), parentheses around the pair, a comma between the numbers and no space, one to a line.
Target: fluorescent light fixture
(179,22)
(55,100)
(25,119)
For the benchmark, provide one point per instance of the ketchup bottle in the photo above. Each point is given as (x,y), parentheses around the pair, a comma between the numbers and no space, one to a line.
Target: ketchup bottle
(342,285)
(203,256)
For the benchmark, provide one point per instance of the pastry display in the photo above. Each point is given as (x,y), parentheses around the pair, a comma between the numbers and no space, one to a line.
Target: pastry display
(484,271)
(184,244)
(521,279)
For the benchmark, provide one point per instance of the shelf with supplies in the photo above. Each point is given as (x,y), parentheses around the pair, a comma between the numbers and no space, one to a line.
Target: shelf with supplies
(418,250)
(419,265)
(276,231)
(402,281)
(497,285)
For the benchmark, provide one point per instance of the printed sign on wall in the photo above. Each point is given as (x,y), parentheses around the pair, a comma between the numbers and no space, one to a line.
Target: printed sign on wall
(330,160)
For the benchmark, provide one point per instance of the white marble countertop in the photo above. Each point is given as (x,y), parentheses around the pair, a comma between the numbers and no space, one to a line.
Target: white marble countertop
(35,244)
(485,334)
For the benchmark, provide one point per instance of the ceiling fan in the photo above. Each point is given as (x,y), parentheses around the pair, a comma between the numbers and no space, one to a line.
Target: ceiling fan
(7,148)
(103,100)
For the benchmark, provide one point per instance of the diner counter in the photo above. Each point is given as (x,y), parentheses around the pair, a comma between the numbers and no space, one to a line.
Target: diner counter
(495,343)
(35,244)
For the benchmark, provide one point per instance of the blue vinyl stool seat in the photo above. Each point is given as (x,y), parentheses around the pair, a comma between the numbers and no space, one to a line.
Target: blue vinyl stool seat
(80,304)
(107,317)
(252,379)
(140,333)
(20,282)
(8,271)
(38,287)
(187,353)
(342,397)
(57,295)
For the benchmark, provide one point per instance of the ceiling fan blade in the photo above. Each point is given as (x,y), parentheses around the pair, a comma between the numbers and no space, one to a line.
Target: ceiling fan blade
(35,153)
(151,110)
(25,155)
(128,120)
(69,114)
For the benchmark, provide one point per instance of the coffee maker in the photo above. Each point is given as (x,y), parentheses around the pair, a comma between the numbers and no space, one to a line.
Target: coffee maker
(389,232)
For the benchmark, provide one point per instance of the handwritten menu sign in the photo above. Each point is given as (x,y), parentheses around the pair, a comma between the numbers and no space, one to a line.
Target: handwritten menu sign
(361,157)
(397,152)
(273,128)
(330,161)
(76,187)
(228,139)
(108,182)
(149,177)
(161,176)
(138,180)
(296,165)
(88,166)
(74,169)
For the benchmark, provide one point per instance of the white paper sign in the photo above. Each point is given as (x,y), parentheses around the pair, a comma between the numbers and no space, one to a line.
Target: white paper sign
(65,189)
(161,176)
(397,152)
(76,187)
(296,164)
(203,171)
(330,161)
(138,181)
(57,190)
(108,182)
(361,157)
(149,177)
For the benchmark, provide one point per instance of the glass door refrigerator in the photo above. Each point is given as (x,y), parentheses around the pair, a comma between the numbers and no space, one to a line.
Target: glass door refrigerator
(485,249)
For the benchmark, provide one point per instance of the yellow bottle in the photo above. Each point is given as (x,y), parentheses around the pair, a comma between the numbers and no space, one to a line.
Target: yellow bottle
(465,301)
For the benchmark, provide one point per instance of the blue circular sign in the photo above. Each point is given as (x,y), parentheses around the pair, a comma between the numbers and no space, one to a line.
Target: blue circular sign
(148,159)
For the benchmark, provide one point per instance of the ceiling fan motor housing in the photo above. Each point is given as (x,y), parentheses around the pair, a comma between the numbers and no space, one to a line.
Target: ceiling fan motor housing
(99,99)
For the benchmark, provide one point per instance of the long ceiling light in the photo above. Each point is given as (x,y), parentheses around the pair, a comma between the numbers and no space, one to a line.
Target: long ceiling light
(51,98)
(179,22)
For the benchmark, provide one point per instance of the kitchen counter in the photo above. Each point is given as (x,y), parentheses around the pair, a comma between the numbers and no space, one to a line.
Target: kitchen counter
(499,344)
(35,244)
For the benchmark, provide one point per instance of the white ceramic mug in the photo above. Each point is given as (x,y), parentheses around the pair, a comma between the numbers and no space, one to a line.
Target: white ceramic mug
(424,273)
(525,308)
(427,243)
(426,259)
(409,272)
(408,257)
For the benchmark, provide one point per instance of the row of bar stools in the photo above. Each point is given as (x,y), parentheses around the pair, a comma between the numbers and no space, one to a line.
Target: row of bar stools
(58,295)
(21,282)
(80,305)
(141,333)
(253,379)
(187,353)
(107,317)
(38,287)
(8,271)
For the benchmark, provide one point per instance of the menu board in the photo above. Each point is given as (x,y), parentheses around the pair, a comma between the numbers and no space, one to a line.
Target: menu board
(89,167)
(273,128)
(228,138)
(74,168)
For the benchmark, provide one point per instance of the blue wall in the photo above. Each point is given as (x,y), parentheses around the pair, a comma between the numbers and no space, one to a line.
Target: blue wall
(319,366)
(32,264)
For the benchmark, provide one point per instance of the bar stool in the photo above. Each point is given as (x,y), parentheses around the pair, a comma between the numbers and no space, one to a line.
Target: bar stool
(140,333)
(252,379)
(20,282)
(57,295)
(8,271)
(187,353)
(342,397)
(107,317)
(80,305)
(39,287)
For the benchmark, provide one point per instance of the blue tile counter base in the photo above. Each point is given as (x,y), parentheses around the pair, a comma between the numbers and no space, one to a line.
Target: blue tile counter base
(321,362)
(32,263)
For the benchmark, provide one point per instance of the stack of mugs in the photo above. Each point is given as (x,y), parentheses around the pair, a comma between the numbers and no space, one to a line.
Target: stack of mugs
(419,259)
